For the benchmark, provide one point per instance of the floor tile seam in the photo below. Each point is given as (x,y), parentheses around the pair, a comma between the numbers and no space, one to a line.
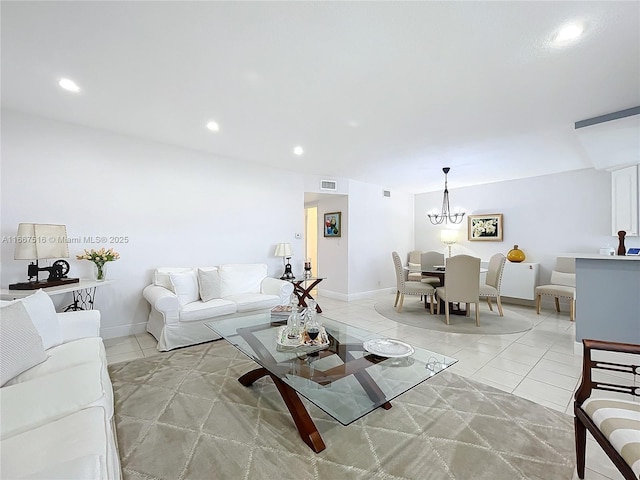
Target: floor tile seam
(488,381)
(576,380)
(536,400)
(511,361)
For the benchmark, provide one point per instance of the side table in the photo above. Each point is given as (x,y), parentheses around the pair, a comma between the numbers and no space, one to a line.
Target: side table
(84,293)
(302,289)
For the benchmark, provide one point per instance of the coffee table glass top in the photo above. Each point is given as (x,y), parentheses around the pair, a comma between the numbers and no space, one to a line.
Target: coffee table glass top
(343,379)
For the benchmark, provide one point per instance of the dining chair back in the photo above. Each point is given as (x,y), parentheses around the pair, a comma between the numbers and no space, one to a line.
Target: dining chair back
(414,265)
(408,287)
(491,287)
(462,284)
(428,261)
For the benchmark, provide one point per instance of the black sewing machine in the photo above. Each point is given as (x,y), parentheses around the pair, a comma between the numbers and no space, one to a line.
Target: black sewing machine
(57,276)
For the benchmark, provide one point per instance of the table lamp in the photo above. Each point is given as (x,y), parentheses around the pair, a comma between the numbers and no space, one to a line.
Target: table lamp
(449,237)
(42,241)
(284,250)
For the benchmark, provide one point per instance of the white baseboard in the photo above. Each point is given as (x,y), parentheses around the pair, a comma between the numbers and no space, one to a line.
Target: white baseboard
(123,330)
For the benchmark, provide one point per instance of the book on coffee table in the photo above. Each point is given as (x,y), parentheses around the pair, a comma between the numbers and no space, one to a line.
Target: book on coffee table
(281,311)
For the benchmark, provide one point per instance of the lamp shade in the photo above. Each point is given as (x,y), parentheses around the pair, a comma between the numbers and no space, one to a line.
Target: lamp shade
(37,240)
(283,250)
(449,237)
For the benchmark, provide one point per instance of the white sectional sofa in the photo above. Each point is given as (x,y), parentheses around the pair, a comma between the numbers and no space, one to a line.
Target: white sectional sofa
(57,414)
(182,299)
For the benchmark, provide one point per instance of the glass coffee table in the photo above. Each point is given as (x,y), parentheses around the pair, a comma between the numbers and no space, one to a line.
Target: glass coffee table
(342,377)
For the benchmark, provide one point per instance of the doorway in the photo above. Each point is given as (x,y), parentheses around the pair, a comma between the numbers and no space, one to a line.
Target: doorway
(311,238)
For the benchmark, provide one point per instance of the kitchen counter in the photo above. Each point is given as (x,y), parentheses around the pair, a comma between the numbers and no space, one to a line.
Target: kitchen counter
(607,298)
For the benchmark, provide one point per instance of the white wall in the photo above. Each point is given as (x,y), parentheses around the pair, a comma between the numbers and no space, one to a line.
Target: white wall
(333,252)
(378,226)
(546,216)
(177,207)
(180,207)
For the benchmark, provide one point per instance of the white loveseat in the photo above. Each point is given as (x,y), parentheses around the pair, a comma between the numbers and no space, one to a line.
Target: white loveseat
(182,299)
(57,416)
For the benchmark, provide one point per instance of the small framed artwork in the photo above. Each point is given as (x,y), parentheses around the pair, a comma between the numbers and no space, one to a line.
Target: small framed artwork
(486,227)
(333,224)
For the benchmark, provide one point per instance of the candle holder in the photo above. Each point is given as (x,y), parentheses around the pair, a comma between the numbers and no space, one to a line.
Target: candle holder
(307,269)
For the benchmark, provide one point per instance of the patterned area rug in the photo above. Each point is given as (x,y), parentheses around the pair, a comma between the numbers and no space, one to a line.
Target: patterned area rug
(414,314)
(184,415)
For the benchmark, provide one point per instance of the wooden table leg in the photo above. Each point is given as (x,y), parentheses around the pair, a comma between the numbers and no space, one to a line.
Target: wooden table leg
(307,429)
(372,389)
(248,378)
(302,292)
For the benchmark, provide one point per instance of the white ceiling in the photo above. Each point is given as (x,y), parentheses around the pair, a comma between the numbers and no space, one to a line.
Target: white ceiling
(382,92)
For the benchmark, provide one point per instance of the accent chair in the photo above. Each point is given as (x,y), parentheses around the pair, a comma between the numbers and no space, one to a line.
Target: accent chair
(612,420)
(563,285)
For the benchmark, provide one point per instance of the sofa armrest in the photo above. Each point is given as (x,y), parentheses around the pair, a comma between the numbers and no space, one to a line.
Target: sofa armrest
(275,286)
(79,324)
(164,301)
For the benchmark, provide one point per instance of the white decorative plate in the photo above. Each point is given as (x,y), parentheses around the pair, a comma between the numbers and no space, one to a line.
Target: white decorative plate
(387,347)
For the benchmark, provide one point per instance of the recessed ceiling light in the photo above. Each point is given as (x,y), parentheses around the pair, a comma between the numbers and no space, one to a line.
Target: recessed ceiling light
(69,85)
(298,150)
(568,33)
(213,126)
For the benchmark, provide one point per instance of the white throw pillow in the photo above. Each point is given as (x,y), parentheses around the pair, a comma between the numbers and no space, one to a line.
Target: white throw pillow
(239,278)
(43,314)
(209,281)
(185,286)
(161,276)
(20,343)
(415,267)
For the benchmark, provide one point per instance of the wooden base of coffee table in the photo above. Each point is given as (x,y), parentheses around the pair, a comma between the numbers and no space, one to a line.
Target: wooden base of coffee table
(307,429)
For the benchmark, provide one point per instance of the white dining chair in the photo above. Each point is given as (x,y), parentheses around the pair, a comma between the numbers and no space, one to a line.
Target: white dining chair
(491,288)
(461,284)
(408,287)
(415,274)
(428,261)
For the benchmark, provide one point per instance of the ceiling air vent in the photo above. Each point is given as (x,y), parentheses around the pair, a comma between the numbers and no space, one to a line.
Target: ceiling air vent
(386,193)
(328,185)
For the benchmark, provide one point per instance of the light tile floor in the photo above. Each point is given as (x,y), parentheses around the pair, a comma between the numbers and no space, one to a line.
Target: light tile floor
(539,365)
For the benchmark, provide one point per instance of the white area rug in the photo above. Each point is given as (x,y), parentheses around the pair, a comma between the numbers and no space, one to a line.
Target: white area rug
(414,314)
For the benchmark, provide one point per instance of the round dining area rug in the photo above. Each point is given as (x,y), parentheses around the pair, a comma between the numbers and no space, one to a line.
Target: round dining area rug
(491,323)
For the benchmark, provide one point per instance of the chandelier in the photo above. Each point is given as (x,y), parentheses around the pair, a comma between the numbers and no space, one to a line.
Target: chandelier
(445,216)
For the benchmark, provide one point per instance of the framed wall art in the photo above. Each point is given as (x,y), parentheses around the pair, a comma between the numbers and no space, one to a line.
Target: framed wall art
(487,227)
(333,224)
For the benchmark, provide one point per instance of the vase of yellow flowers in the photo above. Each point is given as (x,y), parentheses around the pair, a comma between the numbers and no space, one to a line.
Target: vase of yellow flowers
(100,258)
